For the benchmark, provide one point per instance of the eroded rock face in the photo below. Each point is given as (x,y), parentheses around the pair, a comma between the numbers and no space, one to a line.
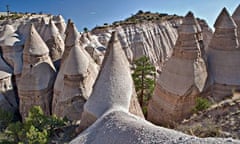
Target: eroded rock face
(75,79)
(151,39)
(8,98)
(38,74)
(79,77)
(182,79)
(236,18)
(92,46)
(12,48)
(113,88)
(54,42)
(60,24)
(223,57)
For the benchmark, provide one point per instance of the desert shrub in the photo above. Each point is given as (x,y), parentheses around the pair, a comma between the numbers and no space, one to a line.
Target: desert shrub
(201,104)
(36,129)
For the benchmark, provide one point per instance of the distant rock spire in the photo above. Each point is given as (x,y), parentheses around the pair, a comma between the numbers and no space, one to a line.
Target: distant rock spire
(38,74)
(236,13)
(236,17)
(225,35)
(75,79)
(113,87)
(34,44)
(189,25)
(77,82)
(224,20)
(54,42)
(72,38)
(7,30)
(182,78)
(223,57)
(60,24)
(11,46)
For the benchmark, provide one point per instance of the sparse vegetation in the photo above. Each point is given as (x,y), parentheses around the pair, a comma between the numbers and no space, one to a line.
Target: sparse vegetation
(207,128)
(36,129)
(201,104)
(144,80)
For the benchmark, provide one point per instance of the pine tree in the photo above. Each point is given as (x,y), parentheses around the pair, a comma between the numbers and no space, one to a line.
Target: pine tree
(144,80)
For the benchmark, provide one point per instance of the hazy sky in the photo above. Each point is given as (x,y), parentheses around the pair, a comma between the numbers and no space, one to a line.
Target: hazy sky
(89,13)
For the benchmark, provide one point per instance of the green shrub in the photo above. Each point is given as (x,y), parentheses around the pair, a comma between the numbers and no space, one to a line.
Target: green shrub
(201,104)
(36,129)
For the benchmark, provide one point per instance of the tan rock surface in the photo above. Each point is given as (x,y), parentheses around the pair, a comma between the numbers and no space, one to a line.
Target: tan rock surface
(34,87)
(223,57)
(54,42)
(182,79)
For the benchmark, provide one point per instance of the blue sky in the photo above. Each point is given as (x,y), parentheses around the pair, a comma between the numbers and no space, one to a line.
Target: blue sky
(89,13)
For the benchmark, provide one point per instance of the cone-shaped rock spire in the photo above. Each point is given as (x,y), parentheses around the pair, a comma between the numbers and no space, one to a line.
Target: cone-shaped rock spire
(236,13)
(189,25)
(36,82)
(182,79)
(60,24)
(72,38)
(224,20)
(34,44)
(12,48)
(75,79)
(236,17)
(54,42)
(223,56)
(114,86)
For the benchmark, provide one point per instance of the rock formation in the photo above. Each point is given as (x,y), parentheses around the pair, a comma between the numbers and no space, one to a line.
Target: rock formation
(113,88)
(38,74)
(8,98)
(54,42)
(75,79)
(223,57)
(107,110)
(182,79)
(60,24)
(79,77)
(92,46)
(236,18)
(71,40)
(12,48)
(118,127)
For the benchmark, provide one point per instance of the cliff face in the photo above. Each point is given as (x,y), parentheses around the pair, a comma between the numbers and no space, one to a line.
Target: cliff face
(153,39)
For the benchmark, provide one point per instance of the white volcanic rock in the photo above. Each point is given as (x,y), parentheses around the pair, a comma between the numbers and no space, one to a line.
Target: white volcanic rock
(54,42)
(120,127)
(79,77)
(182,79)
(223,57)
(71,40)
(75,79)
(12,48)
(92,46)
(38,74)
(60,24)
(113,88)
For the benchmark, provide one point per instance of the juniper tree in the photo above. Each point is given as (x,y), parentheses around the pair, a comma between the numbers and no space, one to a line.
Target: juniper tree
(144,80)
